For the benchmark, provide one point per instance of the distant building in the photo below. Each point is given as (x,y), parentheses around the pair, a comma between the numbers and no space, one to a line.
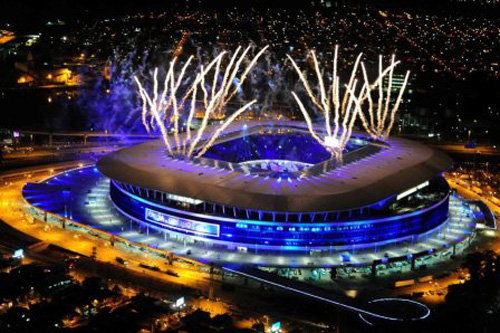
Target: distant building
(32,74)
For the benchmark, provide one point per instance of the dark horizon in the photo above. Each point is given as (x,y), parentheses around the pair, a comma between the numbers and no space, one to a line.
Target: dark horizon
(28,14)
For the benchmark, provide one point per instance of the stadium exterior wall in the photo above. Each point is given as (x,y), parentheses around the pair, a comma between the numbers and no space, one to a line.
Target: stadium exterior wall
(253,235)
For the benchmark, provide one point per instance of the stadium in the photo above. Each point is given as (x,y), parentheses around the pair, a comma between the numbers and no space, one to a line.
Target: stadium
(272,188)
(268,192)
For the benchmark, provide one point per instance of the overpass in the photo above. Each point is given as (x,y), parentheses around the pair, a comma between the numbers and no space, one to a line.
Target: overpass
(87,134)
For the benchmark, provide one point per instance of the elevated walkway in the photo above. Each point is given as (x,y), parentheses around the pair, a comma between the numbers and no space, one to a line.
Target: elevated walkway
(483,213)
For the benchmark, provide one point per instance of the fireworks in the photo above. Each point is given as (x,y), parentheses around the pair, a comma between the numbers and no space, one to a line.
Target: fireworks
(328,101)
(216,85)
(379,118)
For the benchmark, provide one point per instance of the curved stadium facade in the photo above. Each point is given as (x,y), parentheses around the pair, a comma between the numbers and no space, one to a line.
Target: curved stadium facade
(270,188)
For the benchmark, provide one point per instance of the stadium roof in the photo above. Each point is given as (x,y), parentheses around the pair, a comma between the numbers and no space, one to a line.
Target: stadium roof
(401,166)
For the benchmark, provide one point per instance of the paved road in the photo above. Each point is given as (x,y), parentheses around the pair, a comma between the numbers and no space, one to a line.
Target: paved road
(13,239)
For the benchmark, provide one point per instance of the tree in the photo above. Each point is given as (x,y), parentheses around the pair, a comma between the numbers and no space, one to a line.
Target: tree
(475,301)
(198,321)
(333,273)
(483,268)
(222,321)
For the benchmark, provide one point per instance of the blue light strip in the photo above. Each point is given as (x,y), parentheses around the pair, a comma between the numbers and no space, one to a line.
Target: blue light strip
(403,300)
(346,306)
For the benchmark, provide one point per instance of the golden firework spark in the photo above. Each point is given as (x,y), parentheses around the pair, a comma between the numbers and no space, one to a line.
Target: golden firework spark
(345,110)
(163,109)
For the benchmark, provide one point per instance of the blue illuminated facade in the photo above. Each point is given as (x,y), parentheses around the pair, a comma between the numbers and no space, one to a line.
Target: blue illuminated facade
(230,227)
(212,224)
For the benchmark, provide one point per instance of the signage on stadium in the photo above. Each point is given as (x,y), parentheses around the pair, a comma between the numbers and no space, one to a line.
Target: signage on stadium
(195,227)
